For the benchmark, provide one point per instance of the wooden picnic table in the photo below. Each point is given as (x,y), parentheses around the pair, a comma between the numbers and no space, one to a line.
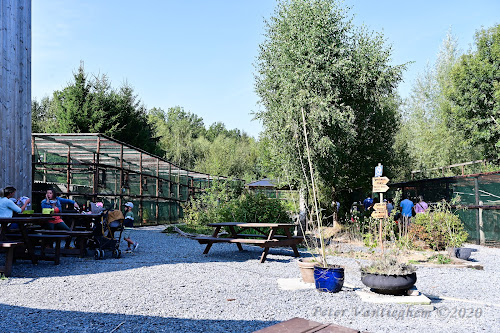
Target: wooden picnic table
(71,219)
(301,325)
(22,223)
(81,230)
(264,239)
(78,219)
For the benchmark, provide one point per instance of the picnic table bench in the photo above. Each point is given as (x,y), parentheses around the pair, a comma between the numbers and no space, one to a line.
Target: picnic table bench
(22,241)
(262,239)
(300,325)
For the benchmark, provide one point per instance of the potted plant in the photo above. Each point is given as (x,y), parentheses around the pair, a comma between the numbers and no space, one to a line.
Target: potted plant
(388,275)
(327,278)
(306,267)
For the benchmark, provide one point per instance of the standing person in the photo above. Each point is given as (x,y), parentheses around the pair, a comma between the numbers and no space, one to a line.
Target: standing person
(368,202)
(390,206)
(128,224)
(406,212)
(53,201)
(7,205)
(421,206)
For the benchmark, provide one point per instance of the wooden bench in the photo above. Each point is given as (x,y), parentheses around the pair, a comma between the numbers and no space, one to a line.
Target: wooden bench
(265,241)
(46,240)
(9,258)
(259,242)
(80,236)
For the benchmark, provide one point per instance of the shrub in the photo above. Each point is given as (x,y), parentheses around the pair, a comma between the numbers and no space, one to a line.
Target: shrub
(439,228)
(217,205)
(388,264)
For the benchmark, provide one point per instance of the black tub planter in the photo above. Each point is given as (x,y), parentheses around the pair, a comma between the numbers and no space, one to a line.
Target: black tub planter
(461,252)
(329,279)
(389,284)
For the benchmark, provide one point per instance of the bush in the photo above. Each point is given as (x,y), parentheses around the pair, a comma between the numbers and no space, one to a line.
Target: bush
(439,228)
(218,204)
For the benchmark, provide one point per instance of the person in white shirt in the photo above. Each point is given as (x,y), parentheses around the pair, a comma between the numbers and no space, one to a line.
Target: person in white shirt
(7,205)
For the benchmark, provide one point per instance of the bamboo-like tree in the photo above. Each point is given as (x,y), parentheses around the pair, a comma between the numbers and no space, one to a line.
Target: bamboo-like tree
(319,77)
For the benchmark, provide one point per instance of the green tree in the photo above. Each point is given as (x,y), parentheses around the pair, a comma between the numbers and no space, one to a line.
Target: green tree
(229,156)
(315,69)
(93,106)
(177,131)
(475,92)
(429,135)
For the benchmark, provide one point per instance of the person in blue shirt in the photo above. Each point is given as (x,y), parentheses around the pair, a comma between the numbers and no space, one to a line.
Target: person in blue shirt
(7,205)
(55,202)
(406,206)
(368,202)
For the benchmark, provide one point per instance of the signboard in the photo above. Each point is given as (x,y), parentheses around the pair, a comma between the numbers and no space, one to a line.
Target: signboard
(379,214)
(380,188)
(378,170)
(381,206)
(379,180)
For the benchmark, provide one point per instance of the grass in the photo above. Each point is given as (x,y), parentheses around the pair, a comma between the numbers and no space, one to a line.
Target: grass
(190,229)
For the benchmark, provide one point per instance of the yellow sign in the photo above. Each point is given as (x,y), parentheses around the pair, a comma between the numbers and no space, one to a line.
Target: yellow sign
(379,181)
(380,206)
(379,214)
(380,188)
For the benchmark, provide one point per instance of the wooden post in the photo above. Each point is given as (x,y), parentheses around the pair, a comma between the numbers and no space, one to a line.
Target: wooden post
(157,210)
(121,178)
(482,239)
(68,171)
(476,192)
(15,96)
(140,189)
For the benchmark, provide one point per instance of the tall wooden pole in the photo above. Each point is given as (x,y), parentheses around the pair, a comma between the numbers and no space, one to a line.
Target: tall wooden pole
(15,95)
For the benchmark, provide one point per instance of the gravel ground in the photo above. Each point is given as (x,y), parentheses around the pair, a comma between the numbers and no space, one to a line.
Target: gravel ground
(168,285)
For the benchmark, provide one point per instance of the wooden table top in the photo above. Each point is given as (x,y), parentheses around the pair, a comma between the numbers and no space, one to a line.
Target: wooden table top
(25,219)
(77,215)
(252,225)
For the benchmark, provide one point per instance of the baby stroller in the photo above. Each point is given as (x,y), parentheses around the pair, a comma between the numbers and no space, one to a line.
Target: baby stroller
(104,236)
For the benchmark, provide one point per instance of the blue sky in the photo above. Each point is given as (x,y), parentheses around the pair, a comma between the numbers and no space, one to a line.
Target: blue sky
(199,54)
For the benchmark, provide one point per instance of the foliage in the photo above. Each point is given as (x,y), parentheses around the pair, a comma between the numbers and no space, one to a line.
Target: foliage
(93,106)
(440,259)
(223,203)
(216,150)
(177,131)
(388,264)
(439,228)
(429,136)
(475,92)
(315,61)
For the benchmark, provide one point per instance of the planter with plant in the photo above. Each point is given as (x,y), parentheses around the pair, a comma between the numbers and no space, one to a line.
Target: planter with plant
(388,275)
(442,229)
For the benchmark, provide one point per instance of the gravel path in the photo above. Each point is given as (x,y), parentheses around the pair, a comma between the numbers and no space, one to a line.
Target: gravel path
(170,286)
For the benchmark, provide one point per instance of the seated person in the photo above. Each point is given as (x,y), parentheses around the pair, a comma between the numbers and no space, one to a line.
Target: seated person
(55,202)
(8,206)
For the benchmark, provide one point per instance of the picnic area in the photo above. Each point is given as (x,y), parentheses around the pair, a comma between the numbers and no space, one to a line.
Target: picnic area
(169,285)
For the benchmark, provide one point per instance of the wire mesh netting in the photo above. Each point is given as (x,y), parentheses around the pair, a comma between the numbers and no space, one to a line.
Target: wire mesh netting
(93,167)
(479,194)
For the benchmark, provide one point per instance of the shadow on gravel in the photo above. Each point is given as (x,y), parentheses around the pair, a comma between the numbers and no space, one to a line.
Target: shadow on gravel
(155,249)
(22,319)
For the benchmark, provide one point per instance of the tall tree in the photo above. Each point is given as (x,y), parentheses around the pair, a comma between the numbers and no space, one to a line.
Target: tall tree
(177,131)
(315,69)
(429,132)
(475,92)
(93,106)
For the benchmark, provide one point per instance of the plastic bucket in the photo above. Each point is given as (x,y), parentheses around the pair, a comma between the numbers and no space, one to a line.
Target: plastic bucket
(329,279)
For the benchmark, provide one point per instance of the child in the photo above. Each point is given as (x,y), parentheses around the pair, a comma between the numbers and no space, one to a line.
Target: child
(128,223)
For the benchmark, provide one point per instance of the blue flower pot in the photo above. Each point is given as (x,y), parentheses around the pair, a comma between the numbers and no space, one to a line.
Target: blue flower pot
(329,279)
